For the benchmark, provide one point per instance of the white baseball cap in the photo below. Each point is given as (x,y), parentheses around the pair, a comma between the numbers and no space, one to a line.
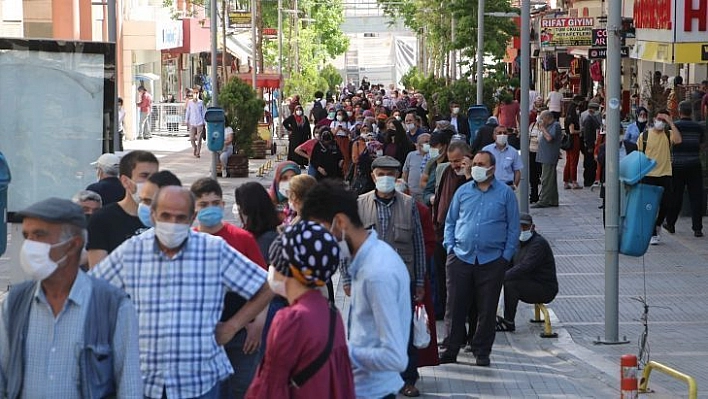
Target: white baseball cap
(107,161)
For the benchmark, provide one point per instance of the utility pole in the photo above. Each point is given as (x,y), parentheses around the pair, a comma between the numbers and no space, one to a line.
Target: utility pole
(480,51)
(525,88)
(254,40)
(612,186)
(296,19)
(453,54)
(214,70)
(280,67)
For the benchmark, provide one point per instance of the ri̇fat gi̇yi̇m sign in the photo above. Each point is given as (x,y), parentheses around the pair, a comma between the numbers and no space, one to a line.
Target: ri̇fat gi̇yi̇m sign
(566,32)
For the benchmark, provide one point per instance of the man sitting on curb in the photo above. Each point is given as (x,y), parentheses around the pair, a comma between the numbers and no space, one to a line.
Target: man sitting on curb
(532,276)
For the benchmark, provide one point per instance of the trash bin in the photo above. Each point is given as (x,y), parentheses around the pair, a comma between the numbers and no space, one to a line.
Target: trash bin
(4,183)
(215,121)
(641,204)
(476,118)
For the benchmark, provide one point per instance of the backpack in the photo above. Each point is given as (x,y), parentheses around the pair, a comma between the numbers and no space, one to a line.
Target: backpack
(318,111)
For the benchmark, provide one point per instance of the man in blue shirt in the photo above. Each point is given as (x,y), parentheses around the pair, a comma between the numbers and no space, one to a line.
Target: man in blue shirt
(509,165)
(481,236)
(380,313)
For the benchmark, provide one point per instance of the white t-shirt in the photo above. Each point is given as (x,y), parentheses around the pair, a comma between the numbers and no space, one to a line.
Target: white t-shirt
(533,95)
(554,101)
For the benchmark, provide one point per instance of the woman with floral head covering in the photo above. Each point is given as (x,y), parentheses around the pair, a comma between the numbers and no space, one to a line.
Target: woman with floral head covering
(306,353)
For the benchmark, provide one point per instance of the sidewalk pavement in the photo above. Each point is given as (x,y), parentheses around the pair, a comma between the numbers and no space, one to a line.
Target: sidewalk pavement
(527,366)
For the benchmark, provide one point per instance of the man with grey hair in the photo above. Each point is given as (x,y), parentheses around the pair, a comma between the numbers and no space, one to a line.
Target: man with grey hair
(547,156)
(88,200)
(178,278)
(415,164)
(91,350)
(108,185)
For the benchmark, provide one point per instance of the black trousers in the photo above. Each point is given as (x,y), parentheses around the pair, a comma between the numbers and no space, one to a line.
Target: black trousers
(440,284)
(410,374)
(692,179)
(479,284)
(534,177)
(662,181)
(589,167)
(527,291)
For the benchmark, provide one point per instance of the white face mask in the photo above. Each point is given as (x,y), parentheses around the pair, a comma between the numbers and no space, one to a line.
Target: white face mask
(642,119)
(502,139)
(456,110)
(344,254)
(171,235)
(284,188)
(426,147)
(460,172)
(298,113)
(385,184)
(410,127)
(136,194)
(35,260)
(340,118)
(379,153)
(525,235)
(434,152)
(277,286)
(479,173)
(659,125)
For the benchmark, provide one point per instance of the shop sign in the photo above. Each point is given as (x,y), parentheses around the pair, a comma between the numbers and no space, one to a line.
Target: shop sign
(240,19)
(677,21)
(168,34)
(566,32)
(270,33)
(600,53)
(704,52)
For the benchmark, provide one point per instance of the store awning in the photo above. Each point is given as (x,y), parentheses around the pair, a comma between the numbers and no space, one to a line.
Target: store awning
(240,47)
(146,76)
(263,80)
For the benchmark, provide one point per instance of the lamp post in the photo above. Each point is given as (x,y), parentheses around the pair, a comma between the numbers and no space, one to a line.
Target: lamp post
(480,51)
(214,26)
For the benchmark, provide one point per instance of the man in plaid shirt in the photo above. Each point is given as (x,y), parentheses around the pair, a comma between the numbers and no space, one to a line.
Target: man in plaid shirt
(177,279)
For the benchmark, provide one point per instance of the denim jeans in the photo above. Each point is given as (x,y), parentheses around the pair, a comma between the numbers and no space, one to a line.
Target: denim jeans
(244,365)
(144,127)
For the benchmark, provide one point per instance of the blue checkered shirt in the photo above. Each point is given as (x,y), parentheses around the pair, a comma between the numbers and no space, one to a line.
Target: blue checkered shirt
(179,301)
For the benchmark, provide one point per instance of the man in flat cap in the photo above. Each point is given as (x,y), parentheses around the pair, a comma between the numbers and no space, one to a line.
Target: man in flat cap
(532,276)
(395,218)
(65,334)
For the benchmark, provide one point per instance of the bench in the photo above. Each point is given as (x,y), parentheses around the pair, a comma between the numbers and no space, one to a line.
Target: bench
(539,308)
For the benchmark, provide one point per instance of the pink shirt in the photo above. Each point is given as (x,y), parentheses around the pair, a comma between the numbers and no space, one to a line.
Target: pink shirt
(508,114)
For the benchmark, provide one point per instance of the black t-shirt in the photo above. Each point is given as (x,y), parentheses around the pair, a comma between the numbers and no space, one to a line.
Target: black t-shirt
(110,226)
(109,189)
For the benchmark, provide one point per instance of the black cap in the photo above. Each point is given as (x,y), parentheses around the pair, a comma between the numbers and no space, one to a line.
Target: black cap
(526,219)
(56,210)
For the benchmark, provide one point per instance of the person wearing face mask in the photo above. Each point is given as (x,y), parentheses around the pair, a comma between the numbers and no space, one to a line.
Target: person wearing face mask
(532,276)
(415,164)
(115,223)
(458,119)
(278,189)
(547,156)
(638,127)
(298,128)
(148,190)
(299,186)
(481,236)
(438,156)
(412,126)
(179,279)
(380,321)
(395,218)
(657,144)
(342,129)
(108,185)
(327,157)
(244,349)
(331,117)
(485,134)
(64,300)
(308,334)
(509,165)
(590,125)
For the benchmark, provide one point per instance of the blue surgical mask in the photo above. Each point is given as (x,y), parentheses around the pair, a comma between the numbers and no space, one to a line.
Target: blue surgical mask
(144,215)
(210,216)
(385,184)
(525,235)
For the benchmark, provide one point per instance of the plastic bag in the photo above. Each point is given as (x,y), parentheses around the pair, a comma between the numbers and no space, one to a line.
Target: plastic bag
(421,332)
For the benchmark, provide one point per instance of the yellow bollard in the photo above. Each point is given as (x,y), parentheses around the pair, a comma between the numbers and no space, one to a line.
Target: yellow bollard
(644,382)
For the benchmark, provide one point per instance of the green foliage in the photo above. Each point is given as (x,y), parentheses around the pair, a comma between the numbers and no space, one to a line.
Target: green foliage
(305,84)
(331,75)
(244,109)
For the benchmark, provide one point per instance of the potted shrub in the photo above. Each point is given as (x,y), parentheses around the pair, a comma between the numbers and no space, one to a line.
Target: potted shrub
(244,109)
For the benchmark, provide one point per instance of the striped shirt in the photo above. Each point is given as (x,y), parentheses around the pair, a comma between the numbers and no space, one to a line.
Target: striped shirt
(179,301)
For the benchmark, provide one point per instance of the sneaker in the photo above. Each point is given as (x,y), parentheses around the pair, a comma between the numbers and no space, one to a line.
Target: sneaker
(482,361)
(669,227)
(655,240)
(698,233)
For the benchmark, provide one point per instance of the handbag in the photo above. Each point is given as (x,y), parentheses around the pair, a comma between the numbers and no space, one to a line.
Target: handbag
(421,332)
(533,138)
(566,142)
(299,379)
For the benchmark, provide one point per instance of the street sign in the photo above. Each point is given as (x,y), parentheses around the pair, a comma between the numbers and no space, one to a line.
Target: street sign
(600,53)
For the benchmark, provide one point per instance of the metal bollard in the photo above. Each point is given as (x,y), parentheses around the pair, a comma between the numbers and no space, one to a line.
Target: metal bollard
(628,377)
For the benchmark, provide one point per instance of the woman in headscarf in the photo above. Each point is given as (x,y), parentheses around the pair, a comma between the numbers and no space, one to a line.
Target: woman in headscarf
(278,190)
(396,142)
(303,258)
(639,126)
(298,128)
(326,157)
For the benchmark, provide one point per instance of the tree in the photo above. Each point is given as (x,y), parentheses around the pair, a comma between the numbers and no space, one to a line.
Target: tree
(244,109)
(331,75)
